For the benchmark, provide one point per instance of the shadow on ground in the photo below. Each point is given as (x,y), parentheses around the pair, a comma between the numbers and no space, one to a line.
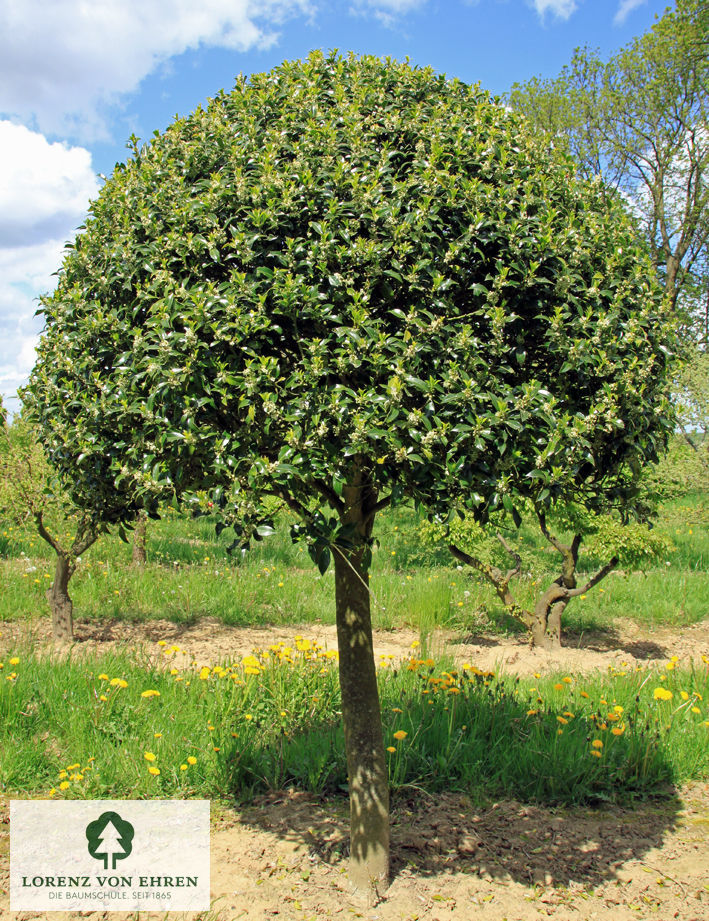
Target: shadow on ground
(530,844)
(598,640)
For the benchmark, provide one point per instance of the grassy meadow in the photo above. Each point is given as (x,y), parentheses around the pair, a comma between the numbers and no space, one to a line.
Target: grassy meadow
(135,725)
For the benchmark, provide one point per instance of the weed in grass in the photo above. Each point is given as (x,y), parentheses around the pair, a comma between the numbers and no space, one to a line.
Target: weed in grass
(137,727)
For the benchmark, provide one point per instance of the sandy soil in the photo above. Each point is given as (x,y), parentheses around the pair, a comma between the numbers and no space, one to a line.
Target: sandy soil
(285,857)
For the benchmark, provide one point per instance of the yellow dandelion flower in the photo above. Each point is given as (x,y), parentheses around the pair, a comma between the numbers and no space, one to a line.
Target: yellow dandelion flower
(597,743)
(162,643)
(562,720)
(596,753)
(684,695)
(618,730)
(558,686)
(248,716)
(103,698)
(696,710)
(149,756)
(103,677)
(390,748)
(183,767)
(154,771)
(566,680)
(250,670)
(14,661)
(400,734)
(150,693)
(532,712)
(64,785)
(191,759)
(662,694)
(670,666)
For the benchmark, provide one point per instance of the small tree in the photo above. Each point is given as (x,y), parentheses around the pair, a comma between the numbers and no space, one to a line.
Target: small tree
(30,492)
(345,284)
(631,544)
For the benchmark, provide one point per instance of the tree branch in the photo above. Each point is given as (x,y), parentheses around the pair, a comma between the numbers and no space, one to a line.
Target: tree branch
(327,492)
(499,581)
(515,556)
(601,574)
(45,535)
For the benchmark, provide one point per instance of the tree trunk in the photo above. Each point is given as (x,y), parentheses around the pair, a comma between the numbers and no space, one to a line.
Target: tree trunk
(361,715)
(545,629)
(139,539)
(59,601)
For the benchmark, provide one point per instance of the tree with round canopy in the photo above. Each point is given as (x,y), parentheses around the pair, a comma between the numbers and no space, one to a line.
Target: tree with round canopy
(349,283)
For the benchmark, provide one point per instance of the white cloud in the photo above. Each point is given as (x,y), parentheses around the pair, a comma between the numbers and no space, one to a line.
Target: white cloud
(388,12)
(391,7)
(24,273)
(625,8)
(44,193)
(61,61)
(562,9)
(44,188)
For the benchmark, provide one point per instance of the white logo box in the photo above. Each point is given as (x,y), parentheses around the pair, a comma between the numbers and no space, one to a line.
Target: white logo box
(120,855)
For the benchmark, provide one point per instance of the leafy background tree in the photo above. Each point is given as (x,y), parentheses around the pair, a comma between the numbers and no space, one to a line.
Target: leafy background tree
(640,121)
(30,490)
(346,284)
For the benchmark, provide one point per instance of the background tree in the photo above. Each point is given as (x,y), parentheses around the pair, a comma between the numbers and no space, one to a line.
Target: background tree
(505,562)
(349,283)
(31,493)
(640,121)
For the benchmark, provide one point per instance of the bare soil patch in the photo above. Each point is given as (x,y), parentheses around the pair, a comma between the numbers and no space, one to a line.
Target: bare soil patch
(285,856)
(209,642)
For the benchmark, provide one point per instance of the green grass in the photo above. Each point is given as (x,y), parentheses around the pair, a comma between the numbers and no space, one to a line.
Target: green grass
(239,733)
(191,575)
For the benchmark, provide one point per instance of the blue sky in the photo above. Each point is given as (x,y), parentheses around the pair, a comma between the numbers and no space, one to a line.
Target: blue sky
(78,77)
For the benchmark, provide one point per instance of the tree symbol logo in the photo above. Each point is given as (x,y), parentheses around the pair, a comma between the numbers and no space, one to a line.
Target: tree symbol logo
(110,839)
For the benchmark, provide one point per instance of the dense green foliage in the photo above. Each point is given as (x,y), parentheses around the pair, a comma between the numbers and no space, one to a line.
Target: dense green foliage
(349,263)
